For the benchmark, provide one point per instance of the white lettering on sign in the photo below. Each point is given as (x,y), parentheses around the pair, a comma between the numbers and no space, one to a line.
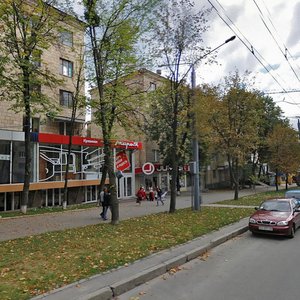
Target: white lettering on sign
(90,141)
(4,157)
(127,144)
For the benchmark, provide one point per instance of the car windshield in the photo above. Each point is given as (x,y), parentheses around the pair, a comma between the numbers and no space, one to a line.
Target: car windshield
(275,206)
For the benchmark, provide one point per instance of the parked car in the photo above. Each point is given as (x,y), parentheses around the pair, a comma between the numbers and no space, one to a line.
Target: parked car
(293,194)
(276,216)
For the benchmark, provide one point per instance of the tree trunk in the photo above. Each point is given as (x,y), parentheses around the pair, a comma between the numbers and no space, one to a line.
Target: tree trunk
(27,175)
(276,183)
(113,193)
(66,194)
(174,174)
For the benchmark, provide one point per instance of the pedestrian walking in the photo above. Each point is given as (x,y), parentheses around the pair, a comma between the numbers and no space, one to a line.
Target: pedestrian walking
(141,195)
(158,196)
(151,194)
(106,203)
(101,201)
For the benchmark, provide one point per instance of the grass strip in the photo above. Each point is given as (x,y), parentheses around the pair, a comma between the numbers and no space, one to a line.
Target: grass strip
(37,264)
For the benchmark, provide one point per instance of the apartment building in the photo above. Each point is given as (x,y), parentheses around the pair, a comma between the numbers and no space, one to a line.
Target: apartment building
(50,133)
(148,169)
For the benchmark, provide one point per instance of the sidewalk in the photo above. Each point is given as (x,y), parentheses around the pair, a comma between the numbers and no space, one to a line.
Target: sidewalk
(12,228)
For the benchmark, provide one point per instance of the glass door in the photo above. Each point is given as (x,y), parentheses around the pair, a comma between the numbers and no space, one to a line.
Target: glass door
(125,187)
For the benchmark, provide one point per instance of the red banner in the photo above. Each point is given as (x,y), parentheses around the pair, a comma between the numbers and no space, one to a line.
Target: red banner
(122,162)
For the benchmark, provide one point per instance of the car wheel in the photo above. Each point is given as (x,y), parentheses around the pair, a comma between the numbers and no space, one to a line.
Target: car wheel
(292,234)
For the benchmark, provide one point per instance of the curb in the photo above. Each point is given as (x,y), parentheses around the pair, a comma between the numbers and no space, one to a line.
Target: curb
(127,284)
(121,286)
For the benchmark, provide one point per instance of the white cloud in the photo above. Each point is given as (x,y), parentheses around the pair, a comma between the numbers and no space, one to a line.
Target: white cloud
(281,14)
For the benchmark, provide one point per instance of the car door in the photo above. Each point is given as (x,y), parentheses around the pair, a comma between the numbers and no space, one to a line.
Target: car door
(296,206)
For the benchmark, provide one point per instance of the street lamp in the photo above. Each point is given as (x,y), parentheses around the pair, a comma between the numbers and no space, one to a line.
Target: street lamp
(196,194)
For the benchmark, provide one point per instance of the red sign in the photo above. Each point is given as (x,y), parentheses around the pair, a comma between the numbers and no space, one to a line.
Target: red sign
(122,162)
(148,168)
(128,145)
(86,141)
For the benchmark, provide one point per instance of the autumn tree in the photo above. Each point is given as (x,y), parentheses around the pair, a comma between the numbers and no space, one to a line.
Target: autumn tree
(271,115)
(284,148)
(229,118)
(27,29)
(177,44)
(113,32)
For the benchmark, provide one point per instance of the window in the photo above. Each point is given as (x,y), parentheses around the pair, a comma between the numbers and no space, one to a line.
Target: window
(35,124)
(66,98)
(155,155)
(66,38)
(64,128)
(66,67)
(152,87)
(36,90)
(36,58)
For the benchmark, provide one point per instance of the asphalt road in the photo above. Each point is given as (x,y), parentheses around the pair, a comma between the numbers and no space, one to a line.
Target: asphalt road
(244,268)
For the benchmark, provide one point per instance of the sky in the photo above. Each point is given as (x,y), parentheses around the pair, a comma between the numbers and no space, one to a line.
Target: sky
(267,44)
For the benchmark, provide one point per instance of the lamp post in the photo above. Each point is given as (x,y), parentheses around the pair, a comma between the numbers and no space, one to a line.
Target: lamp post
(196,194)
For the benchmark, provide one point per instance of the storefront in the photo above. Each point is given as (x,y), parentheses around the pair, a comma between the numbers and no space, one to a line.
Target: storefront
(153,175)
(49,163)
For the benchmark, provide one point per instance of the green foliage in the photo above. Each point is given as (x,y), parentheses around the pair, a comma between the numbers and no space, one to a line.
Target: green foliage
(29,29)
(159,122)
(230,119)
(283,145)
(113,30)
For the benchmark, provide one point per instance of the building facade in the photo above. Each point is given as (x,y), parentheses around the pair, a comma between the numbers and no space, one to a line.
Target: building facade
(50,135)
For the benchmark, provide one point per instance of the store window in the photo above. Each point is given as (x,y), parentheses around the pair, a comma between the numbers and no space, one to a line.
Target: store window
(5,161)
(18,162)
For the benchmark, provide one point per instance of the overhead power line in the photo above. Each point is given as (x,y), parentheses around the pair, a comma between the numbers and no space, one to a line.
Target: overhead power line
(250,47)
(273,37)
(282,92)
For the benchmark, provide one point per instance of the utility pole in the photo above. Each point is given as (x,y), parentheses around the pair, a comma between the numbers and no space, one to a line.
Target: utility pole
(196,194)
(195,150)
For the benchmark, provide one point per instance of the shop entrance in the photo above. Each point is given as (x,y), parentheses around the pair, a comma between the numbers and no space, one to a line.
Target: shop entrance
(125,186)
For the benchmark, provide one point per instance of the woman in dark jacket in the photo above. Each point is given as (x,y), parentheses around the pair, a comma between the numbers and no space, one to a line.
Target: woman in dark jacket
(106,203)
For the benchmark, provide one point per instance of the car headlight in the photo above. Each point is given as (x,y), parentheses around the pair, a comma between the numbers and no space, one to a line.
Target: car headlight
(282,223)
(252,221)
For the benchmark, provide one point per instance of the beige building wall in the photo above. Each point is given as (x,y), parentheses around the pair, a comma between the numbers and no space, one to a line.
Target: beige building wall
(142,80)
(10,120)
